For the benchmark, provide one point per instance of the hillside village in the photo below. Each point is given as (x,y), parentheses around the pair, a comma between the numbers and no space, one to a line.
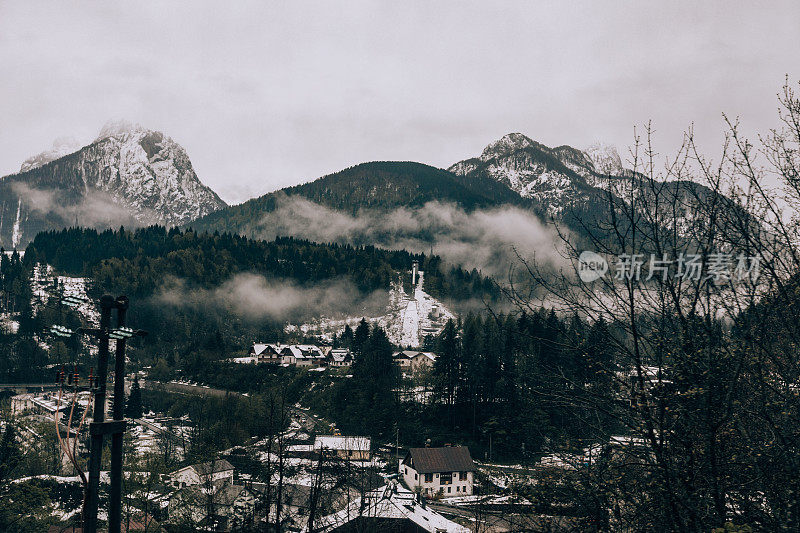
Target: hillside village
(402,267)
(339,482)
(319,461)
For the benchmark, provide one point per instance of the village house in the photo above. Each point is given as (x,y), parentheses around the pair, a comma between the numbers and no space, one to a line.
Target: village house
(410,361)
(389,508)
(344,447)
(303,355)
(212,472)
(266,353)
(340,357)
(447,471)
(313,353)
(221,507)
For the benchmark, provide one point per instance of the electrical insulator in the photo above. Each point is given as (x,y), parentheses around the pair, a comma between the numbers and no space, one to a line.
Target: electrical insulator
(75,376)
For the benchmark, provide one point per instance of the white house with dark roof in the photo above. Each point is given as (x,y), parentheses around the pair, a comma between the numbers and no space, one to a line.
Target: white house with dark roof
(340,357)
(447,471)
(212,472)
(410,360)
(266,353)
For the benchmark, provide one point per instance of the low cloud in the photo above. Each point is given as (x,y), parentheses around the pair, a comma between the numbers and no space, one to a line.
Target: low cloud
(254,297)
(486,239)
(92,209)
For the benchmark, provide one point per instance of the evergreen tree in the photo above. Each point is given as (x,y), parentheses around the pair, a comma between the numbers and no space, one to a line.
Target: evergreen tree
(447,366)
(10,453)
(358,345)
(376,379)
(134,408)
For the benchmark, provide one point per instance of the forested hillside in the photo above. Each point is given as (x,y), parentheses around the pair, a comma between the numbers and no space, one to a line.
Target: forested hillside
(136,262)
(383,184)
(190,290)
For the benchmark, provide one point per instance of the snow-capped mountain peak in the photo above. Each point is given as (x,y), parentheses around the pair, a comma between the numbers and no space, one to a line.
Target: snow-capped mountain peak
(606,159)
(128,175)
(506,145)
(119,128)
(549,176)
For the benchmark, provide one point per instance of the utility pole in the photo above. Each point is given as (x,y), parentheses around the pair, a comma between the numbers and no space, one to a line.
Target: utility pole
(96,427)
(115,495)
(115,427)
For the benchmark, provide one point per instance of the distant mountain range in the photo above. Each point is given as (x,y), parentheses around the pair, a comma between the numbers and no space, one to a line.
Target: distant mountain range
(561,183)
(134,176)
(128,175)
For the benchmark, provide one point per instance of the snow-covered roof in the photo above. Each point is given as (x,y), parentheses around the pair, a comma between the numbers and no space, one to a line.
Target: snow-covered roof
(294,350)
(411,354)
(259,348)
(303,351)
(347,443)
(339,355)
(210,467)
(391,502)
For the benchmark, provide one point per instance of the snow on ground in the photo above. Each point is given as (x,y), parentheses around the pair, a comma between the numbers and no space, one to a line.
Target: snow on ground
(16,234)
(487,499)
(407,321)
(43,281)
(422,315)
(8,323)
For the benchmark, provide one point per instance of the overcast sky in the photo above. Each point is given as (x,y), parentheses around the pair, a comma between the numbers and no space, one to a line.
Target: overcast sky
(268,94)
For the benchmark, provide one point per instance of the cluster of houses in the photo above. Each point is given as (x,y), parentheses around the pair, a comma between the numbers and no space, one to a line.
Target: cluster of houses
(207,494)
(300,355)
(314,356)
(210,495)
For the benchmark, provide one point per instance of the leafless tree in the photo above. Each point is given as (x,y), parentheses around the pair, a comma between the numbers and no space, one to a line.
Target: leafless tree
(705,372)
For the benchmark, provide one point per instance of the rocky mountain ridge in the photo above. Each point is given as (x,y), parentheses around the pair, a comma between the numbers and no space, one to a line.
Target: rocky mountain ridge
(554,178)
(128,175)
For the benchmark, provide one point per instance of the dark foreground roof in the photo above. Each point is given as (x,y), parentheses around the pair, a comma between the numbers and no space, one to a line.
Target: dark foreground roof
(447,459)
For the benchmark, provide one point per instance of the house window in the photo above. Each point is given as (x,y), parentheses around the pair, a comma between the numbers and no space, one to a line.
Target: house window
(448,489)
(462,476)
(446,478)
(428,478)
(416,477)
